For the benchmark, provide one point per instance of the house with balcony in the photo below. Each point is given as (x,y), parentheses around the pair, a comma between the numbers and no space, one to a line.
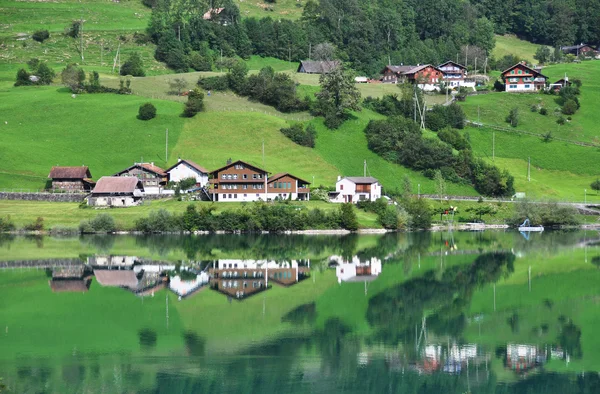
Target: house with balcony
(238,181)
(455,75)
(153,178)
(425,76)
(285,186)
(521,78)
(356,188)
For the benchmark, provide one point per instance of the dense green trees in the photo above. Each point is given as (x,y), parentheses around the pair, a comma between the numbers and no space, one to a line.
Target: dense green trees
(338,95)
(194,104)
(133,66)
(301,136)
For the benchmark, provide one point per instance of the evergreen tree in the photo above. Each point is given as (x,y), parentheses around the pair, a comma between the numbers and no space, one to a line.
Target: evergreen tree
(338,95)
(133,66)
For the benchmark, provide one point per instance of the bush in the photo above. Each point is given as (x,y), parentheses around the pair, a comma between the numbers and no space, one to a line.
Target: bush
(546,214)
(38,225)
(147,111)
(300,136)
(453,137)
(6,224)
(420,213)
(534,108)
(73,29)
(40,35)
(23,78)
(102,223)
(194,104)
(513,117)
(158,221)
(133,66)
(200,63)
(561,120)
(348,217)
(543,111)
(569,107)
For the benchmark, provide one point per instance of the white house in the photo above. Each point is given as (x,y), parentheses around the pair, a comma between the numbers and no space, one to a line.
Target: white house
(356,188)
(356,270)
(185,169)
(116,191)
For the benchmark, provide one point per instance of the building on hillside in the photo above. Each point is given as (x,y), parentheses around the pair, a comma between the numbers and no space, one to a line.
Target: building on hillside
(355,270)
(208,15)
(71,279)
(238,181)
(71,179)
(318,66)
(114,191)
(356,188)
(455,75)
(561,83)
(185,169)
(521,78)
(581,49)
(100,261)
(522,358)
(153,178)
(287,186)
(426,76)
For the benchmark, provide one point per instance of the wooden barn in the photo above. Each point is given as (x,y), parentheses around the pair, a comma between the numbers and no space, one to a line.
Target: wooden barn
(71,179)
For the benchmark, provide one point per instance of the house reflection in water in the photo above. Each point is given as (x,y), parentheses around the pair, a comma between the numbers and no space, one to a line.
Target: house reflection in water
(243,278)
(356,270)
(523,358)
(72,279)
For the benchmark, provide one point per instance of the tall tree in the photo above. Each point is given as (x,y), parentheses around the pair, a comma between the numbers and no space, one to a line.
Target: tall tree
(338,95)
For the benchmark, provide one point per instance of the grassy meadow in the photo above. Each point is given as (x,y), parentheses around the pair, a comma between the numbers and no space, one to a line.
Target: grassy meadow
(511,45)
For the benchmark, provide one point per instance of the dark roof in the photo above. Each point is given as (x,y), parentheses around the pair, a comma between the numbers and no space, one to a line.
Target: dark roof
(533,71)
(70,285)
(281,175)
(575,47)
(116,278)
(239,162)
(80,172)
(362,179)
(419,68)
(399,69)
(453,63)
(191,164)
(117,184)
(147,166)
(318,66)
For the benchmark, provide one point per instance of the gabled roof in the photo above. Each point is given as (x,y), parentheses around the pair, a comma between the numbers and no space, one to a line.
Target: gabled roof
(419,68)
(117,184)
(80,172)
(147,166)
(408,70)
(116,278)
(533,71)
(191,164)
(275,177)
(70,285)
(453,63)
(361,179)
(318,66)
(239,162)
(575,47)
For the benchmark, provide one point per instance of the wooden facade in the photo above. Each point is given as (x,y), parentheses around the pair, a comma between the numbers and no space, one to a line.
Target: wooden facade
(521,78)
(287,186)
(151,176)
(238,181)
(423,75)
(71,179)
(454,74)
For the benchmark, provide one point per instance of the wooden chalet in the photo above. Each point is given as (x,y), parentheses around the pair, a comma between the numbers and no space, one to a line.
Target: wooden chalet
(454,74)
(287,186)
(522,78)
(581,49)
(425,74)
(114,191)
(318,66)
(153,178)
(71,179)
(238,181)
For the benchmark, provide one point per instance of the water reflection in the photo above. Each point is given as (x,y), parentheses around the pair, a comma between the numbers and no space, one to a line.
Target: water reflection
(485,312)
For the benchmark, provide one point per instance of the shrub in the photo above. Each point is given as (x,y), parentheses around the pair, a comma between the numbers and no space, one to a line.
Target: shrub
(199,62)
(596,185)
(133,66)
(158,221)
(40,35)
(102,223)
(6,224)
(561,120)
(73,29)
(569,107)
(546,214)
(393,218)
(420,213)
(300,136)
(534,108)
(543,111)
(194,104)
(23,78)
(147,111)
(348,217)
(513,117)
(214,83)
(38,225)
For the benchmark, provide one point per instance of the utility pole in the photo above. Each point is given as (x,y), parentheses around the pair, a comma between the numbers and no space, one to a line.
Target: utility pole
(466,55)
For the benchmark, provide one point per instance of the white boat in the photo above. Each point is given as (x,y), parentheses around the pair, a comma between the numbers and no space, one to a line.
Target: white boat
(525,226)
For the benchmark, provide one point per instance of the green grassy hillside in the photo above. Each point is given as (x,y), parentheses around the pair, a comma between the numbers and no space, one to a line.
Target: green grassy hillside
(511,45)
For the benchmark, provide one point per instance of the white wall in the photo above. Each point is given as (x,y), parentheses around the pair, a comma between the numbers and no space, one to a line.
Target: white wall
(348,188)
(183,171)
(242,195)
(254,264)
(123,201)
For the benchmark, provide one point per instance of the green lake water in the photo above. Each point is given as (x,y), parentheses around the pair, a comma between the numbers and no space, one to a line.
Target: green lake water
(422,313)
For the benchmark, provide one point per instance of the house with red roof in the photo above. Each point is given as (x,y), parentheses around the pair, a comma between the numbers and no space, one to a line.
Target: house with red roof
(153,178)
(521,78)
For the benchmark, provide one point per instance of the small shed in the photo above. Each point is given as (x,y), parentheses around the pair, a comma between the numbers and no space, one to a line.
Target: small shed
(114,191)
(71,179)
(318,66)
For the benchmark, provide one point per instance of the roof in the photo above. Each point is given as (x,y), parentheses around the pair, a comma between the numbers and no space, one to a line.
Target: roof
(191,164)
(147,166)
(116,184)
(361,278)
(362,179)
(116,278)
(70,285)
(318,66)
(239,162)
(453,63)
(525,66)
(79,172)
(575,47)
(208,14)
(407,70)
(281,175)
(419,68)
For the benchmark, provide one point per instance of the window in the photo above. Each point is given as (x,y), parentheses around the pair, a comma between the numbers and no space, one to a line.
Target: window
(289,185)
(341,187)
(223,176)
(245,187)
(245,195)
(230,196)
(520,72)
(512,72)
(235,196)
(235,176)
(527,86)
(244,176)
(253,176)
(229,176)
(512,87)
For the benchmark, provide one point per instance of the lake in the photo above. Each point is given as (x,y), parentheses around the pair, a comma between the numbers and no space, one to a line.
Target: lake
(442,312)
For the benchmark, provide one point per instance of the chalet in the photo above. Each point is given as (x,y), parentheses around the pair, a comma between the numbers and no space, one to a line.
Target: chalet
(356,270)
(114,191)
(581,49)
(318,66)
(153,178)
(455,75)
(426,76)
(185,169)
(521,78)
(71,179)
(355,189)
(238,181)
(287,186)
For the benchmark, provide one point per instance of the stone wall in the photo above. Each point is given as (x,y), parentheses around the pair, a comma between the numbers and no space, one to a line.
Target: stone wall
(52,197)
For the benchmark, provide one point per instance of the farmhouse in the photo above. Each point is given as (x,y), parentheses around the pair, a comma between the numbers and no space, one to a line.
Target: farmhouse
(238,181)
(153,178)
(71,179)
(318,66)
(355,270)
(355,189)
(521,78)
(426,76)
(287,186)
(581,49)
(114,191)
(455,75)
(185,169)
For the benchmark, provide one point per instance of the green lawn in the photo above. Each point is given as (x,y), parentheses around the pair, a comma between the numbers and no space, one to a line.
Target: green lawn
(511,45)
